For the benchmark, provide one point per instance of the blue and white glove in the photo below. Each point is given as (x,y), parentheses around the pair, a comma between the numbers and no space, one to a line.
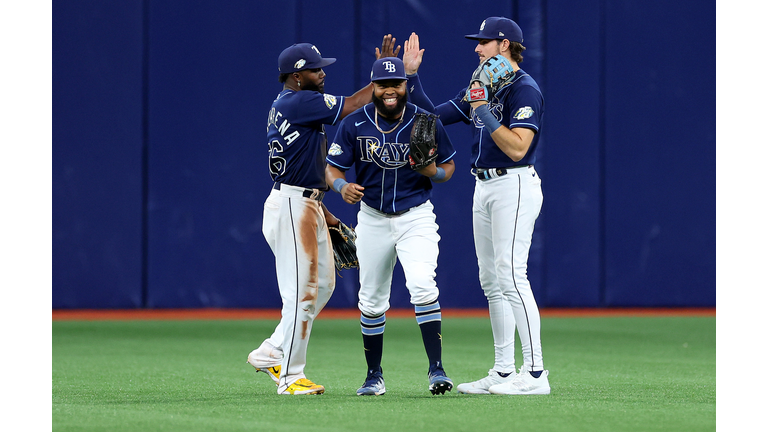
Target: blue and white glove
(491,74)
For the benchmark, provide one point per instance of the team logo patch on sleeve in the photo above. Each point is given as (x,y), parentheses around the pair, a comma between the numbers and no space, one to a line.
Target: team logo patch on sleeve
(523,113)
(335,150)
(330,100)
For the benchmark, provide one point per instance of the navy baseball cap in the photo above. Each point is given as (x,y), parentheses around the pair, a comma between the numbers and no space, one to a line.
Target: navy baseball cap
(301,56)
(388,68)
(498,28)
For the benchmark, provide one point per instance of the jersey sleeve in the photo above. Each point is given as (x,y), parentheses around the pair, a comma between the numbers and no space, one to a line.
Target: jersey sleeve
(452,111)
(445,150)
(526,108)
(341,153)
(416,94)
(455,110)
(316,108)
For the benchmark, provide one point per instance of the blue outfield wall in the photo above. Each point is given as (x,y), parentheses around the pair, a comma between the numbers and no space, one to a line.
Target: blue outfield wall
(97,154)
(160,161)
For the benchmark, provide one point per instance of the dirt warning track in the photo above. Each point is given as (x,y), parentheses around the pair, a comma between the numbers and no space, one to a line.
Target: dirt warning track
(251,314)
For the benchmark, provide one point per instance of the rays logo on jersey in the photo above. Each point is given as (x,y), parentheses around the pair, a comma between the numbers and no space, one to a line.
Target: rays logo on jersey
(523,113)
(335,150)
(330,100)
(495,108)
(385,155)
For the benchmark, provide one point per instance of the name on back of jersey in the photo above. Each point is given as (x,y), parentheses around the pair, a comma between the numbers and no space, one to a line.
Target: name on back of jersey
(282,125)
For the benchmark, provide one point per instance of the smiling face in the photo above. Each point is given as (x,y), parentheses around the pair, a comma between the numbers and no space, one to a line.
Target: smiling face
(389,97)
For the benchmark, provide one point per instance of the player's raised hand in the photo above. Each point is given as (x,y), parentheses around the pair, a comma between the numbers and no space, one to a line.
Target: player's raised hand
(352,193)
(387,49)
(412,55)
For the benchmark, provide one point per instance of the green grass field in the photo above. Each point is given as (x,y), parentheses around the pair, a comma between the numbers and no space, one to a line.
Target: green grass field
(607,374)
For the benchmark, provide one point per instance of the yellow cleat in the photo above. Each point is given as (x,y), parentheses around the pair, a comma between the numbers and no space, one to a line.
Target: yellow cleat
(273,372)
(302,386)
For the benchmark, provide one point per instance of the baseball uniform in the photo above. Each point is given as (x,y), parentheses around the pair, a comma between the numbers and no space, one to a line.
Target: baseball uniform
(506,202)
(396,221)
(294,223)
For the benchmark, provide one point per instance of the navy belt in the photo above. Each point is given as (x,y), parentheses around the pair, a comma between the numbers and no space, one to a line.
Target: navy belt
(489,173)
(307,193)
(397,213)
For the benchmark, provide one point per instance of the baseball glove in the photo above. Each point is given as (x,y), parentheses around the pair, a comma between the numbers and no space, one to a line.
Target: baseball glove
(492,74)
(423,146)
(344,249)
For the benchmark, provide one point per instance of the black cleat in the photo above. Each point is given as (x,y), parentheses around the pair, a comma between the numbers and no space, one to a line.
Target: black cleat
(439,383)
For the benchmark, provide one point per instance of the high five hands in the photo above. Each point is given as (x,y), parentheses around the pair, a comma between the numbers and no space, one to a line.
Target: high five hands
(387,49)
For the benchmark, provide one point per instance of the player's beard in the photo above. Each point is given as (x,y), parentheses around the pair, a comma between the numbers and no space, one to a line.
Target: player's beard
(390,113)
(314,87)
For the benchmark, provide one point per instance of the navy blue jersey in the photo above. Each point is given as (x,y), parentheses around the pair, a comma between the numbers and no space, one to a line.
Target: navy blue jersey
(381,160)
(517,104)
(296,136)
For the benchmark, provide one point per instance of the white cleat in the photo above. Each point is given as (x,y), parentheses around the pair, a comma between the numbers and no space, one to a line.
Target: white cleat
(482,385)
(523,384)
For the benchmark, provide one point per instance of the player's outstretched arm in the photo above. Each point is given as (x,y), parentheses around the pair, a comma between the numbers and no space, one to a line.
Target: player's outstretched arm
(412,57)
(351,193)
(357,100)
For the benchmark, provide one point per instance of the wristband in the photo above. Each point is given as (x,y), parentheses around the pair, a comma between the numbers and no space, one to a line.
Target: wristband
(477,94)
(484,114)
(439,175)
(338,184)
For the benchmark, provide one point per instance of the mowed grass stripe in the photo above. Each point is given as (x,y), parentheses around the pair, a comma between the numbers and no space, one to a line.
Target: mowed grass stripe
(607,374)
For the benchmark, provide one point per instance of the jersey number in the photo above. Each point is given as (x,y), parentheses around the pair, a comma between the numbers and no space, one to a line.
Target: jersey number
(276,163)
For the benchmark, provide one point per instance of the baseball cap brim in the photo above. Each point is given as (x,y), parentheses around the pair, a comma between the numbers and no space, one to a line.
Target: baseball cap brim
(323,63)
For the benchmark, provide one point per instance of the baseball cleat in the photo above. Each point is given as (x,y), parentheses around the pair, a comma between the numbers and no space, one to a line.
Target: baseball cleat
(302,386)
(482,385)
(261,360)
(373,385)
(439,383)
(523,384)
(273,372)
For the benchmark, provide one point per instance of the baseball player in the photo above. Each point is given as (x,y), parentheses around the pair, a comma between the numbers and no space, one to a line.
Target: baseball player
(507,198)
(295,222)
(396,218)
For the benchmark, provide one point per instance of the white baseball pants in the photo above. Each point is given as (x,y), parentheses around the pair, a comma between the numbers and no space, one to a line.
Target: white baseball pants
(296,230)
(504,213)
(381,240)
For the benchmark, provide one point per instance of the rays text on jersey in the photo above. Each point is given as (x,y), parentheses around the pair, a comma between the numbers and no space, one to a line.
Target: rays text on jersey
(386,155)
